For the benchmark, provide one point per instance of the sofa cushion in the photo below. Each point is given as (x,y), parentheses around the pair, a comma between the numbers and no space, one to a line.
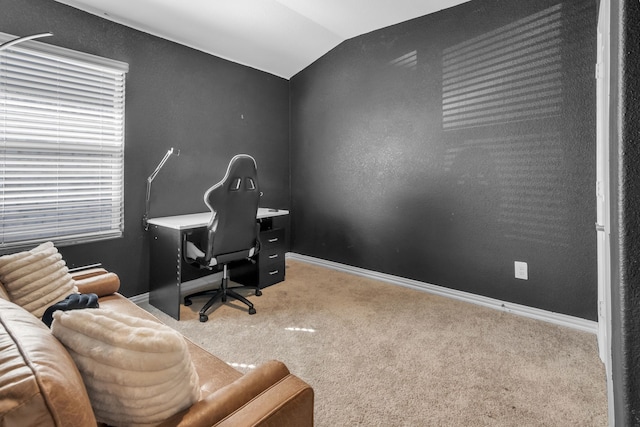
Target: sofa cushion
(39,382)
(136,371)
(37,278)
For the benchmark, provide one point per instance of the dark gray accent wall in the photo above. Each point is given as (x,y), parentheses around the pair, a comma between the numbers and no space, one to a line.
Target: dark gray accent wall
(445,148)
(209,108)
(625,196)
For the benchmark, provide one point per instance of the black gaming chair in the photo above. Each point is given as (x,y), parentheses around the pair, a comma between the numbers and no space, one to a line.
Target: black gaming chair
(232,233)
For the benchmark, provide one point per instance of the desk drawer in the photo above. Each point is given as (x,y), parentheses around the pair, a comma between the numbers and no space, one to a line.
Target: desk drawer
(270,264)
(272,242)
(271,275)
(259,274)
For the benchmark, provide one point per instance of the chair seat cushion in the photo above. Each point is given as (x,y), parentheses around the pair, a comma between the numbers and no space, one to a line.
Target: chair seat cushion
(136,371)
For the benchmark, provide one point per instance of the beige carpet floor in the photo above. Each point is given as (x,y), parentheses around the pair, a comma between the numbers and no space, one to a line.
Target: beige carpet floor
(378,354)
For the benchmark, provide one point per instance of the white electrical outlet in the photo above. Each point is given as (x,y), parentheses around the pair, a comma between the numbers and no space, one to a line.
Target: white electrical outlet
(521,270)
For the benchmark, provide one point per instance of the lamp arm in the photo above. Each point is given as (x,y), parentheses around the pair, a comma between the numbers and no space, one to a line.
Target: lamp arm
(145,218)
(7,45)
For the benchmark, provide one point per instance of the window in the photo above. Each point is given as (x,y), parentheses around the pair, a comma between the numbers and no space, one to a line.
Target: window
(61,145)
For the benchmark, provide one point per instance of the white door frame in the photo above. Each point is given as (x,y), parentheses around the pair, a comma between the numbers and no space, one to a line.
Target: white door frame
(603,225)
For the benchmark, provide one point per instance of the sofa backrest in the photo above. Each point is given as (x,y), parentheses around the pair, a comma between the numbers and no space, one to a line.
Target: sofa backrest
(39,382)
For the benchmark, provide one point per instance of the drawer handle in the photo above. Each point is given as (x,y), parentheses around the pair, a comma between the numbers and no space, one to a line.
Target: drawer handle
(275,239)
(271,273)
(274,256)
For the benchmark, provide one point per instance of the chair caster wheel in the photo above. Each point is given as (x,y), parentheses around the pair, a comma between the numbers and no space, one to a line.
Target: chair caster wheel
(187,302)
(258,292)
(204,318)
(252,310)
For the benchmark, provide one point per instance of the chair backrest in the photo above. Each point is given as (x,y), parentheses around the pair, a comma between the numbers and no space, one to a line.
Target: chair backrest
(233,229)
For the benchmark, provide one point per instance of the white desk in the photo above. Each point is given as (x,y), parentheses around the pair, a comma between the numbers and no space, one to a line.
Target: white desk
(168,270)
(183,222)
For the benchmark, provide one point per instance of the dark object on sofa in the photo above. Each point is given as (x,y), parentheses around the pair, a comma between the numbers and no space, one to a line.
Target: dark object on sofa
(72,302)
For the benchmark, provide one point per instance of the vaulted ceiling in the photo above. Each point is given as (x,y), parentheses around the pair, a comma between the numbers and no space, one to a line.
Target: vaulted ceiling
(281,37)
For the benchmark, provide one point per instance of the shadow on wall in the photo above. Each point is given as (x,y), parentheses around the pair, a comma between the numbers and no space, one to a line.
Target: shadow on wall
(529,201)
(516,80)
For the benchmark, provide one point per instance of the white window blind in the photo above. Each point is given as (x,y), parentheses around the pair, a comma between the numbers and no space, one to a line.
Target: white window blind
(61,145)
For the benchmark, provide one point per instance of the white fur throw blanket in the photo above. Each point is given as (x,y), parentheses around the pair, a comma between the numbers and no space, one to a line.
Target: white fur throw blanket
(136,371)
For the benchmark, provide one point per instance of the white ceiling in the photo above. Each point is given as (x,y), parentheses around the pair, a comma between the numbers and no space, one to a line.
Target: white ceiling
(281,37)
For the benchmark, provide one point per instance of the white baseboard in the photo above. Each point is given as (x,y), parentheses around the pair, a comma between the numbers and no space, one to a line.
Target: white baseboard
(140,298)
(521,310)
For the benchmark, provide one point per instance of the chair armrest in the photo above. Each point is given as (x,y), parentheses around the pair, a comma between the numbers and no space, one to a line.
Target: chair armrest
(101,284)
(264,396)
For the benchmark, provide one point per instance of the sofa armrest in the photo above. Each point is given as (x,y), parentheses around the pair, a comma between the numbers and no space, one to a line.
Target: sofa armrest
(96,281)
(264,396)
(287,403)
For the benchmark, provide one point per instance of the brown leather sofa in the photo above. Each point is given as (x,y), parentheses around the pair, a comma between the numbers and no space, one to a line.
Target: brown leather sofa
(41,386)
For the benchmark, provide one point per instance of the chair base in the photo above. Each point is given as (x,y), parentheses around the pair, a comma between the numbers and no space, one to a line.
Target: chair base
(222,293)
